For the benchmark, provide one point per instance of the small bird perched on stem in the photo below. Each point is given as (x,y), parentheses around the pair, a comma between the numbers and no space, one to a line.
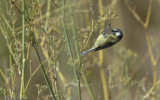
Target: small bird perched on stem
(106,40)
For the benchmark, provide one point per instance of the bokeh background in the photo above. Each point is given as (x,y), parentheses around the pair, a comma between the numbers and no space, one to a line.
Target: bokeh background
(129,70)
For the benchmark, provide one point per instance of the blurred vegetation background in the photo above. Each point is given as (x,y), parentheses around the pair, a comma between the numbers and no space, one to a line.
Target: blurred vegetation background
(54,32)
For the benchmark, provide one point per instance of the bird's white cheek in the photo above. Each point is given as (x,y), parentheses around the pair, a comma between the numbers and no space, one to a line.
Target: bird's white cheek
(118,34)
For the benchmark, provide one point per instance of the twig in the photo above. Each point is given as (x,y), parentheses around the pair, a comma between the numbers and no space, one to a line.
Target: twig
(145,25)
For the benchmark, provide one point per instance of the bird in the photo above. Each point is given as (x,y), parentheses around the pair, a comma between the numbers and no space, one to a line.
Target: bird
(106,40)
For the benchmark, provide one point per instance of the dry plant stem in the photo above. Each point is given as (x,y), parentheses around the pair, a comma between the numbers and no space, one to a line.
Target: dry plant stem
(86,14)
(39,59)
(92,29)
(7,24)
(134,13)
(104,84)
(32,74)
(145,25)
(152,61)
(148,14)
(11,56)
(150,91)
(101,52)
(8,45)
(71,54)
(90,34)
(153,64)
(5,78)
(133,73)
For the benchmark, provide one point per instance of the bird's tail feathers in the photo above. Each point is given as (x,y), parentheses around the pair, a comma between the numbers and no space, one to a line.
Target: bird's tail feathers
(87,51)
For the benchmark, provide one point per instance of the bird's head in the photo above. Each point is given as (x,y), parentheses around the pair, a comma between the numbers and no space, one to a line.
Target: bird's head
(118,33)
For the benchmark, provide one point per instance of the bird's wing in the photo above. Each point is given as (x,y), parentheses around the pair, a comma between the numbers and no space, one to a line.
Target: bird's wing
(105,42)
(98,41)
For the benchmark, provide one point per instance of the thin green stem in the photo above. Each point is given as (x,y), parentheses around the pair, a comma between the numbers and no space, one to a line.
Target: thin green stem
(55,75)
(22,94)
(54,63)
(70,51)
(43,70)
(35,47)
(48,14)
(45,28)
(74,32)
(88,87)
(78,53)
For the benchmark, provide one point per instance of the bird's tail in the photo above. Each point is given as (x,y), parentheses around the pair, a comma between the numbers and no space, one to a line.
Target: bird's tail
(85,52)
